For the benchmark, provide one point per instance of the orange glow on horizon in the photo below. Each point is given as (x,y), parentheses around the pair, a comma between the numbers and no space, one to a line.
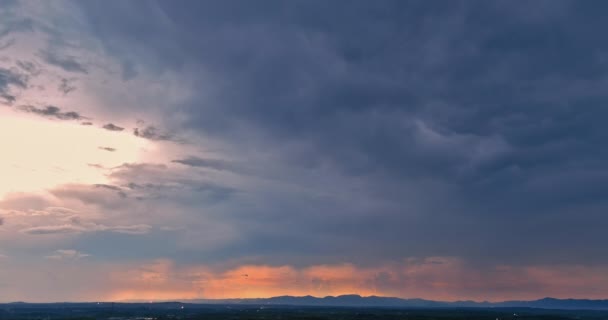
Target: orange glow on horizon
(162,280)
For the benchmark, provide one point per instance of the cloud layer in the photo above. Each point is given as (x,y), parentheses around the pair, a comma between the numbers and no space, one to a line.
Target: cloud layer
(331,152)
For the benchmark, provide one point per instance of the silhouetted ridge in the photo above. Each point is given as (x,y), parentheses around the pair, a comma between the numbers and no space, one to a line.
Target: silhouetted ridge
(354,300)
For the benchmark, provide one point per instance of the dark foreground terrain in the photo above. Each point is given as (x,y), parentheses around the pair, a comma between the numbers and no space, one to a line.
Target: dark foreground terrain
(150,311)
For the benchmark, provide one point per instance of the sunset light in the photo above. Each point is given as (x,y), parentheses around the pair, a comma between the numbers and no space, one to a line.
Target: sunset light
(40,154)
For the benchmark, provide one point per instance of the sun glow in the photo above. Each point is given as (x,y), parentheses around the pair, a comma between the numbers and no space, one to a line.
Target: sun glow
(38,154)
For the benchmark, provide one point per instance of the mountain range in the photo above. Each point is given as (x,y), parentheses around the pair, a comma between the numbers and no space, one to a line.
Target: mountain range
(376,301)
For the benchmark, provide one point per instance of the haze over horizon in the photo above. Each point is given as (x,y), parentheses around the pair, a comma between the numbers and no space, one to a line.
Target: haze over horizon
(443,150)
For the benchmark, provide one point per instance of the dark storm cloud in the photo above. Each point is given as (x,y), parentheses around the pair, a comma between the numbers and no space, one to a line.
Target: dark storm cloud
(65,62)
(471,128)
(113,127)
(52,112)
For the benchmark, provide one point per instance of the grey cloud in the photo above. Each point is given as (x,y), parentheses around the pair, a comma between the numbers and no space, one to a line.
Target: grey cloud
(90,227)
(30,67)
(105,196)
(87,123)
(207,193)
(216,164)
(134,229)
(66,86)
(52,112)
(60,229)
(107,149)
(442,125)
(59,210)
(7,44)
(153,133)
(112,127)
(119,190)
(107,186)
(9,79)
(42,212)
(144,169)
(129,70)
(67,254)
(24,201)
(151,181)
(8,98)
(13,24)
(213,192)
(65,62)
(137,183)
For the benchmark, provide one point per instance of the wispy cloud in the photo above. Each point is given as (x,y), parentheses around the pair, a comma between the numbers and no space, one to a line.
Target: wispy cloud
(153,133)
(87,227)
(56,229)
(112,127)
(7,43)
(10,79)
(30,67)
(216,164)
(66,86)
(51,112)
(66,62)
(67,254)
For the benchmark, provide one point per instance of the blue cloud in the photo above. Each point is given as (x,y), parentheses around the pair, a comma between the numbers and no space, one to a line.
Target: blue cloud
(467,123)
(377,130)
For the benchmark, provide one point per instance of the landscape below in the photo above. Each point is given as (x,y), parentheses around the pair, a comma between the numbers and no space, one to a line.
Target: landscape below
(308,307)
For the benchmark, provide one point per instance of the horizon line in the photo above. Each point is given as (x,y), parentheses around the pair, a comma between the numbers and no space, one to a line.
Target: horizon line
(192,300)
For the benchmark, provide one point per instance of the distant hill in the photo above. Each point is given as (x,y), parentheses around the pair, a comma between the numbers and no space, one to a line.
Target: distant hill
(351,300)
(375,301)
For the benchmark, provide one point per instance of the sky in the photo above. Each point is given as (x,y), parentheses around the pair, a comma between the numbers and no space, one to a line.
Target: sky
(446,150)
